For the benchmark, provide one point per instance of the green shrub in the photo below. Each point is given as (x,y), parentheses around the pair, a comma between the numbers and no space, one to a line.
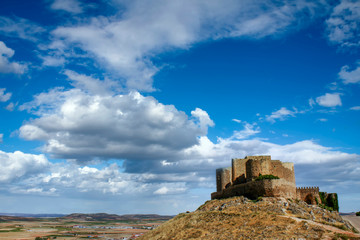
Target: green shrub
(358,213)
(269,176)
(326,207)
(329,200)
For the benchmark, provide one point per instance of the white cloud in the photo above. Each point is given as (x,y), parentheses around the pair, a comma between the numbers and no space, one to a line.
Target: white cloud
(355,108)
(93,85)
(281,114)
(66,179)
(311,102)
(202,118)
(5,65)
(126,43)
(171,188)
(349,76)
(249,130)
(329,100)
(10,107)
(342,26)
(52,61)
(322,120)
(17,165)
(236,120)
(305,154)
(20,28)
(72,6)
(4,97)
(77,125)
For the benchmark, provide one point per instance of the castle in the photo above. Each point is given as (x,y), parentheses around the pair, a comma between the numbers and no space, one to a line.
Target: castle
(259,176)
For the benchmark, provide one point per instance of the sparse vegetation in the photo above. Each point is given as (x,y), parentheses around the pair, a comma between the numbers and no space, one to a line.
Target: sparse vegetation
(241,218)
(326,207)
(17,229)
(340,236)
(256,200)
(67,228)
(268,176)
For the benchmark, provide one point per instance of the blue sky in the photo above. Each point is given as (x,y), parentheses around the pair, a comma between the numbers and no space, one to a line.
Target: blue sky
(130,106)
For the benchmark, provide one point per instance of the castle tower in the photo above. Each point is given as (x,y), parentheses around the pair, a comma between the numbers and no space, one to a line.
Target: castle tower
(223,178)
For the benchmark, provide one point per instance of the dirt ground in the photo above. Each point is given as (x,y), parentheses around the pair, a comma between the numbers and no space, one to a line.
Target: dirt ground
(354,220)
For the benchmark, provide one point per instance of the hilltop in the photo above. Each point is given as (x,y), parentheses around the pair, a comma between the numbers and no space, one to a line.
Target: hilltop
(266,218)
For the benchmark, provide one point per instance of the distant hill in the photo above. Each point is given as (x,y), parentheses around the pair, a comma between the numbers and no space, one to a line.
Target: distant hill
(84,217)
(113,217)
(268,218)
(29,215)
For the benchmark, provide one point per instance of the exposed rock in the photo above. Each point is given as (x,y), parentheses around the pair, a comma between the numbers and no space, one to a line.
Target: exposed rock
(267,218)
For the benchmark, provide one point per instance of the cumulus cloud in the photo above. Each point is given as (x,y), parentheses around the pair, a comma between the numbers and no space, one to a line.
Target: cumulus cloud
(4,97)
(329,100)
(342,26)
(281,114)
(302,152)
(7,66)
(72,6)
(20,28)
(350,76)
(67,178)
(307,156)
(107,180)
(77,125)
(18,164)
(125,43)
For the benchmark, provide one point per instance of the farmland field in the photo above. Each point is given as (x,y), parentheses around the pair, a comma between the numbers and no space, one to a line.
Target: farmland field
(69,229)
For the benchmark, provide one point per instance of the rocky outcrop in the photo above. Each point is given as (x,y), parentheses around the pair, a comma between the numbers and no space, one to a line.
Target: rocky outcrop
(265,218)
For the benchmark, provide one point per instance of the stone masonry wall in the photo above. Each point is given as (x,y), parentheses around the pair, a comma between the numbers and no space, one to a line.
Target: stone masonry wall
(223,178)
(238,170)
(308,194)
(263,188)
(283,170)
(240,180)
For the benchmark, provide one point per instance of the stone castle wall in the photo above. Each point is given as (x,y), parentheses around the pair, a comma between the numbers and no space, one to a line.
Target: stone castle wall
(239,178)
(308,194)
(223,178)
(249,168)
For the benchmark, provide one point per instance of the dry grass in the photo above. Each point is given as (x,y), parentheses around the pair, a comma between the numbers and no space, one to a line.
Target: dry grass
(239,218)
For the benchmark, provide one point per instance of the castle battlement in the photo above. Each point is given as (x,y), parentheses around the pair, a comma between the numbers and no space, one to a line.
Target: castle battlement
(239,179)
(242,179)
(308,188)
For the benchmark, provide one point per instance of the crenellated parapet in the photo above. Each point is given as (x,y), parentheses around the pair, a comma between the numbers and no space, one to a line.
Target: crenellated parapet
(308,189)
(308,194)
(256,176)
(239,178)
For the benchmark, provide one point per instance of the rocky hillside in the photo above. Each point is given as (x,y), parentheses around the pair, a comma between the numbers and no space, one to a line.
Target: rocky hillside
(267,218)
